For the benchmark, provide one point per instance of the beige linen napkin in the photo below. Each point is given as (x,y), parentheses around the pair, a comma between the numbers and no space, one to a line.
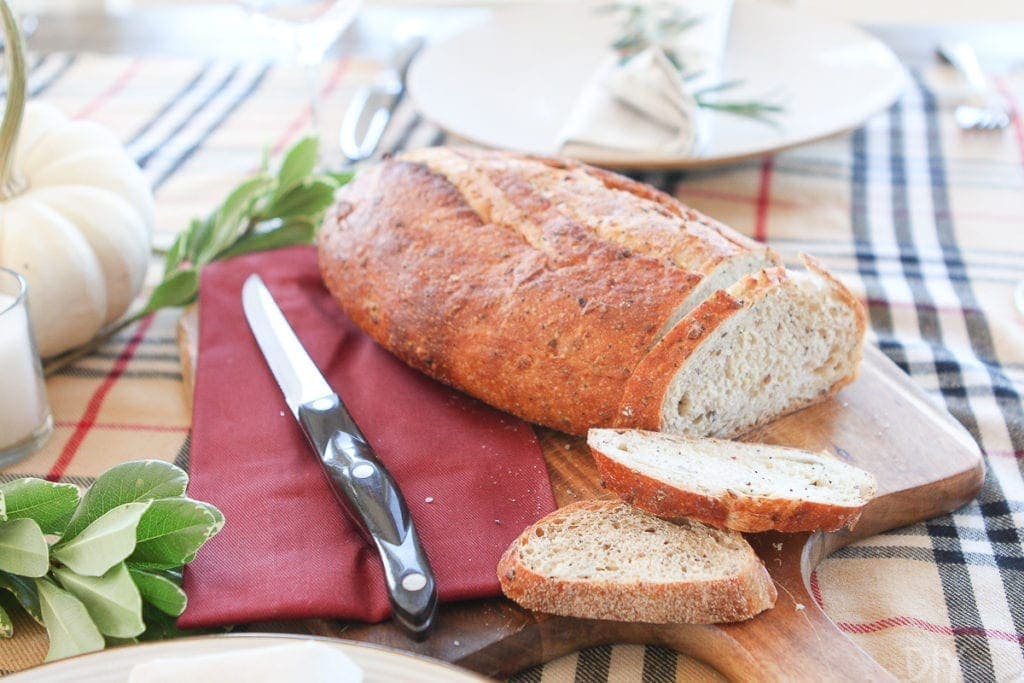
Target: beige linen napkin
(642,105)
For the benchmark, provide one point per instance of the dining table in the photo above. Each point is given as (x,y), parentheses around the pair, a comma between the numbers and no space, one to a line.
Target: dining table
(922,220)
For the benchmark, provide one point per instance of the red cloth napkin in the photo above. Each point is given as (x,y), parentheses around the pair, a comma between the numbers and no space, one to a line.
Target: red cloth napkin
(473,477)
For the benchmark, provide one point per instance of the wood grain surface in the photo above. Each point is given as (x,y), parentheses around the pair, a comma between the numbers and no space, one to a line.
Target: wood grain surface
(925,463)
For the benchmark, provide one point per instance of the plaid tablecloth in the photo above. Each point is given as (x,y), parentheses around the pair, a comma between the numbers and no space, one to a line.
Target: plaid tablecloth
(926,223)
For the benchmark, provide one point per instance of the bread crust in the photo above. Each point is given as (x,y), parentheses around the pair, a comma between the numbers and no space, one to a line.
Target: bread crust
(647,386)
(547,320)
(641,406)
(734,510)
(740,597)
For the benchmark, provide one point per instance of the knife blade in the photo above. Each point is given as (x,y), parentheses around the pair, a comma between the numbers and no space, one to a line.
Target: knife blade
(360,482)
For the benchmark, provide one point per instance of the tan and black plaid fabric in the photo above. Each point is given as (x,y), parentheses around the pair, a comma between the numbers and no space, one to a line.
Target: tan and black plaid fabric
(925,222)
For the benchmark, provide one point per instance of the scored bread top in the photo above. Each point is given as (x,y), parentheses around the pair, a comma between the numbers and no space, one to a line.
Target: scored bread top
(602,559)
(743,486)
(533,284)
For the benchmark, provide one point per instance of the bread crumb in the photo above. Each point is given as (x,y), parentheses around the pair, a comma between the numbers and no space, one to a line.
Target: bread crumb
(428,499)
(281,413)
(778,547)
(800,607)
(456,643)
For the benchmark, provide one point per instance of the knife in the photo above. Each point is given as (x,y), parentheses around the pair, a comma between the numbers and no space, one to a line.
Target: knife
(368,116)
(358,479)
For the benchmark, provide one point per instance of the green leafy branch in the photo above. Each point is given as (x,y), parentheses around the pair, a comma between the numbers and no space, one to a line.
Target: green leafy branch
(659,23)
(266,211)
(103,568)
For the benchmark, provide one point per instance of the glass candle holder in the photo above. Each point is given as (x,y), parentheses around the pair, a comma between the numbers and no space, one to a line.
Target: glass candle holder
(25,420)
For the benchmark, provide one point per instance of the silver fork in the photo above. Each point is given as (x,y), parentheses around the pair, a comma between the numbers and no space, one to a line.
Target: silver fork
(985,111)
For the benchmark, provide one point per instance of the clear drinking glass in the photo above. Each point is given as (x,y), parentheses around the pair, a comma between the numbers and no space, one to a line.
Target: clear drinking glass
(311,27)
(25,420)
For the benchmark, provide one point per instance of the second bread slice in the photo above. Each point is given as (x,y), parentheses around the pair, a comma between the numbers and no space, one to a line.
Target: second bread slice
(741,486)
(601,559)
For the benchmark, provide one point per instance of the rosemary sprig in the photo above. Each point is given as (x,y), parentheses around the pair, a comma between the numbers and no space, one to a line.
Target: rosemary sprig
(658,23)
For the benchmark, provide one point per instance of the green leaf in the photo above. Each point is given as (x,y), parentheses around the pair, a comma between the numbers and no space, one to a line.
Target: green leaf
(295,231)
(71,629)
(180,289)
(303,200)
(197,235)
(230,220)
(177,252)
(48,503)
(172,531)
(297,166)
(24,591)
(113,601)
(342,178)
(104,543)
(6,625)
(160,591)
(160,626)
(23,548)
(130,482)
(117,642)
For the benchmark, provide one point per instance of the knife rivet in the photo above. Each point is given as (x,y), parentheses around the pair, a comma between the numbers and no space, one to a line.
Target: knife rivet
(362,471)
(414,581)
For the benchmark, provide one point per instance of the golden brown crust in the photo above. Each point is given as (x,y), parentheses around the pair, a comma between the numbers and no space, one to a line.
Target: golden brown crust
(749,592)
(646,388)
(545,317)
(749,514)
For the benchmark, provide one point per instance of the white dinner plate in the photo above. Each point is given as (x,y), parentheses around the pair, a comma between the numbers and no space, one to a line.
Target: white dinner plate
(379,664)
(511,81)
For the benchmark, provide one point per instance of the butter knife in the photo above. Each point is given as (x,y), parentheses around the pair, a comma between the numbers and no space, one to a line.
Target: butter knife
(372,106)
(358,479)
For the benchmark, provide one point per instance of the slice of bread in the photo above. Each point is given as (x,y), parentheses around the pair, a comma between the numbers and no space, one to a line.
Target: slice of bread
(741,486)
(771,344)
(602,559)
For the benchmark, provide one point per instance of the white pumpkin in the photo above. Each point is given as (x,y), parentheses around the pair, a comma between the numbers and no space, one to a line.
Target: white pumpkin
(76,225)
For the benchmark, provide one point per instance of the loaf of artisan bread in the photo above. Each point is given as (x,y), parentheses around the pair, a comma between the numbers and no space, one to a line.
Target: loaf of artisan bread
(742,486)
(603,559)
(573,297)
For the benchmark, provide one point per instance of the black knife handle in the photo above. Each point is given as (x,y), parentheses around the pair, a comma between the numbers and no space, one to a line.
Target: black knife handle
(372,499)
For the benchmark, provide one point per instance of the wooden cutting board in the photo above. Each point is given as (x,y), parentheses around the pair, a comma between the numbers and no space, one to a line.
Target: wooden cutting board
(925,463)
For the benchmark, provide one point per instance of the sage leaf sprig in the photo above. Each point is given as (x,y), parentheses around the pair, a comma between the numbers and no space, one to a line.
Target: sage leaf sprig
(103,568)
(659,23)
(270,209)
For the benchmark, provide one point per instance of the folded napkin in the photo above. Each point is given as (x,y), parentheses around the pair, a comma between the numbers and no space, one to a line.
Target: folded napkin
(643,105)
(640,105)
(473,477)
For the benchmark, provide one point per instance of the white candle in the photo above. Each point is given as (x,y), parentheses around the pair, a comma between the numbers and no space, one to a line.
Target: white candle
(23,407)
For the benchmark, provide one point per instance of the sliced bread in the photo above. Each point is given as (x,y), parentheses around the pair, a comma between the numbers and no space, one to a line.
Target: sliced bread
(535,285)
(741,486)
(602,559)
(574,297)
(772,343)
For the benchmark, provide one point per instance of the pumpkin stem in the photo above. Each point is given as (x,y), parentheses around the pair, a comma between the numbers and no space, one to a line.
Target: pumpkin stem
(14,50)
